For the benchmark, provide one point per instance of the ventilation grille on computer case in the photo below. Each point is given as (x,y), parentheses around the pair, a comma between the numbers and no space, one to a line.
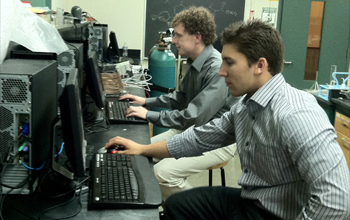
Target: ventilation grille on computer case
(13,91)
(6,143)
(6,118)
(98,32)
(65,64)
(94,47)
(6,139)
(66,59)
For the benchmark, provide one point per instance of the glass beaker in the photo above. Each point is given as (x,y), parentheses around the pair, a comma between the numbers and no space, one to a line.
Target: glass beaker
(59,17)
(333,69)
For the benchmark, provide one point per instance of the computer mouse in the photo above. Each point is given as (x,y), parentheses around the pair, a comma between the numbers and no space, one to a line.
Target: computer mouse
(114,149)
(102,150)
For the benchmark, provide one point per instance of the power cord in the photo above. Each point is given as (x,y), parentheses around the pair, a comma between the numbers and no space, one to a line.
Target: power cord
(91,130)
(77,193)
(139,80)
(2,198)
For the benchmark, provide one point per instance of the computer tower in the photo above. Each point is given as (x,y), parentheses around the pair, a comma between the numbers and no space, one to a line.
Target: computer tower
(28,107)
(66,61)
(98,40)
(78,49)
(65,64)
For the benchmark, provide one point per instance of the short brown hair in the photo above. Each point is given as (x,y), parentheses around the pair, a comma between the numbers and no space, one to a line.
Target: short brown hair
(256,39)
(197,20)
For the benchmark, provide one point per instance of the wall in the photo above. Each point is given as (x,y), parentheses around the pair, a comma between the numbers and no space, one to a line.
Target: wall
(127,18)
(40,3)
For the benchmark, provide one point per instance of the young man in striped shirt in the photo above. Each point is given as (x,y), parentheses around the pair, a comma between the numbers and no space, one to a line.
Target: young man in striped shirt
(293,167)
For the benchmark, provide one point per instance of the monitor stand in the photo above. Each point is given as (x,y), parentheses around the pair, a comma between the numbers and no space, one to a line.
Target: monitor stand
(94,114)
(111,56)
(91,113)
(54,163)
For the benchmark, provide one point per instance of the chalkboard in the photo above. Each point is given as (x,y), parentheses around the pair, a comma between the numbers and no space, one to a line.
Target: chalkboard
(160,13)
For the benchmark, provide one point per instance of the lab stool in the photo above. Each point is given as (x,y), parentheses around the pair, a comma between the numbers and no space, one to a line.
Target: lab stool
(221,166)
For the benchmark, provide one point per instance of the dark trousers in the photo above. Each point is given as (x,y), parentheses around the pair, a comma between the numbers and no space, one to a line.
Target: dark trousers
(213,203)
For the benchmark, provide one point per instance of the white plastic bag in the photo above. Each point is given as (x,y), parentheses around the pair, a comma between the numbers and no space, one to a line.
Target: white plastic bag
(6,13)
(26,28)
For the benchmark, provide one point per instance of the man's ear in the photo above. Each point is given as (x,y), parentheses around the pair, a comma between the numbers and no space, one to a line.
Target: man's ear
(261,66)
(198,37)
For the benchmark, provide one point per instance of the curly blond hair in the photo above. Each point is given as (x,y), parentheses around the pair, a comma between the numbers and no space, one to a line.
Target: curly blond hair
(197,20)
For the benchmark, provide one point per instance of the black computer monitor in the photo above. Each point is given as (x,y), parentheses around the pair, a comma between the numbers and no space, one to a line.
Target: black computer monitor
(72,127)
(113,51)
(94,81)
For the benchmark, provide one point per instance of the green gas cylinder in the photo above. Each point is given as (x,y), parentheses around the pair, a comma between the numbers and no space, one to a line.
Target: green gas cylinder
(162,68)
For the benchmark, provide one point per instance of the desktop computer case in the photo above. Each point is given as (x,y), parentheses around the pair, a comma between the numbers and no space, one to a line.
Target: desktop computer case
(65,64)
(97,39)
(28,92)
(67,61)
(78,49)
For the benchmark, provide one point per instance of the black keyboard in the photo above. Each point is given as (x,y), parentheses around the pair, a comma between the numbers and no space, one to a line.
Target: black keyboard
(119,183)
(116,111)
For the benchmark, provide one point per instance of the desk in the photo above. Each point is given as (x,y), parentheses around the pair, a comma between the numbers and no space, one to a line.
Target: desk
(342,106)
(31,206)
(328,107)
(20,207)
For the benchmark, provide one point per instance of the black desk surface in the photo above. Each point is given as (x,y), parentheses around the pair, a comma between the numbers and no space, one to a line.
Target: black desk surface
(32,206)
(342,106)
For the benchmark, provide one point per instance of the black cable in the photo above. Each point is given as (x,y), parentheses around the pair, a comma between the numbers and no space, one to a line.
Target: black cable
(1,218)
(78,186)
(56,206)
(49,196)
(2,202)
(20,185)
(96,124)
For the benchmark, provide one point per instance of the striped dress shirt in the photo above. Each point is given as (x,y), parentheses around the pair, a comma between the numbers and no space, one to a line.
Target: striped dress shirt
(291,164)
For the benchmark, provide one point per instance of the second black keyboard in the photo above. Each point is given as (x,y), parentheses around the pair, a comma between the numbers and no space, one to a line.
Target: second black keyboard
(118,183)
(116,111)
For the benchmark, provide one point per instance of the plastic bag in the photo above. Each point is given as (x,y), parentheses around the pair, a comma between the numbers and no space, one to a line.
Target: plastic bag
(19,24)
(6,13)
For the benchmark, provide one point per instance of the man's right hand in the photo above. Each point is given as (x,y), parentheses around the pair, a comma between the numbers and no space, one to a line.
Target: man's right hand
(134,99)
(158,149)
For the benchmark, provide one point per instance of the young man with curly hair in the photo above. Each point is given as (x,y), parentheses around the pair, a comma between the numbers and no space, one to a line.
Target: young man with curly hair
(202,96)
(293,167)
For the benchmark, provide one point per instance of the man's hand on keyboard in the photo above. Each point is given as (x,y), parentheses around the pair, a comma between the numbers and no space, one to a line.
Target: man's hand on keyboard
(134,99)
(137,111)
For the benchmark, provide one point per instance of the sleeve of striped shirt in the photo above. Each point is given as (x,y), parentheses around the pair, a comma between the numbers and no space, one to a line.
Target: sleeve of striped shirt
(196,140)
(311,141)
